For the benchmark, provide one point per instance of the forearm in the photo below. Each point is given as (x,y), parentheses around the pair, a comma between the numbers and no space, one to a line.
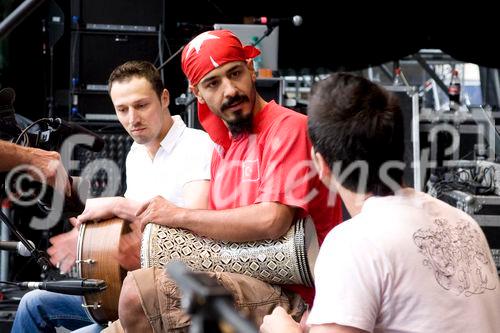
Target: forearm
(334,328)
(12,155)
(98,209)
(267,220)
(126,209)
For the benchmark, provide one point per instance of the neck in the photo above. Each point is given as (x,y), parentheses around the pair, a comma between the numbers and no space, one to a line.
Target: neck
(353,201)
(154,145)
(259,104)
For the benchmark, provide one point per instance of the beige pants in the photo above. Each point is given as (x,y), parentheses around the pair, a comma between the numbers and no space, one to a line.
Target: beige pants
(160,299)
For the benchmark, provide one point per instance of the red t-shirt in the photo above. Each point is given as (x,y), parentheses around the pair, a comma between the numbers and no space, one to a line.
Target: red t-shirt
(273,164)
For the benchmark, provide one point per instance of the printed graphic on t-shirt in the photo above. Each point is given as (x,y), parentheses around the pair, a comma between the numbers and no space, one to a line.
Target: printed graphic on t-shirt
(458,256)
(250,171)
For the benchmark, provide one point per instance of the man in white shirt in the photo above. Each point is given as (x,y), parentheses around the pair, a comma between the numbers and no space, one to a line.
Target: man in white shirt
(405,262)
(166,159)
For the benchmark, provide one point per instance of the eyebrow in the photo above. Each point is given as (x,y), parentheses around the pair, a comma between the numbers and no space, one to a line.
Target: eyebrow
(210,78)
(140,100)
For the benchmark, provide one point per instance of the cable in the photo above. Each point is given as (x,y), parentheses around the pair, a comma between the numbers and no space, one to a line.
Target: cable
(9,283)
(23,133)
(171,57)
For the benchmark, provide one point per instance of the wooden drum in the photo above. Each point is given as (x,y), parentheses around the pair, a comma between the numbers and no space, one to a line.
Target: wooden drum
(98,245)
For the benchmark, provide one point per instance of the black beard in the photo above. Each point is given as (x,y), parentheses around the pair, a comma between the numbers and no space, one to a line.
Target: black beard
(241,125)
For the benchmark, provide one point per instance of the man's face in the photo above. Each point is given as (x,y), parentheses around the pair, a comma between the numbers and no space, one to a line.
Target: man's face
(229,92)
(139,109)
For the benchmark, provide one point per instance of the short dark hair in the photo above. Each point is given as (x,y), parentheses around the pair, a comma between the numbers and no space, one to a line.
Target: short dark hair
(353,119)
(140,69)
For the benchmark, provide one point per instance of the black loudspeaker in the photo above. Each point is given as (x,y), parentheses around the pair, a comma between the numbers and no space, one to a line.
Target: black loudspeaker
(100,52)
(118,12)
(103,37)
(96,106)
(96,54)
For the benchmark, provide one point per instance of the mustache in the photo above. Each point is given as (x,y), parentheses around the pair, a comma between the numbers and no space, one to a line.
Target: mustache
(233,100)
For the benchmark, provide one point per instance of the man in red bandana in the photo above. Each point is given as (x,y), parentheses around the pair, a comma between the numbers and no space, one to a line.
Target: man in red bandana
(262,180)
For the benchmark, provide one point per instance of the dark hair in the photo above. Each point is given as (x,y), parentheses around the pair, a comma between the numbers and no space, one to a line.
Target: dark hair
(353,119)
(141,69)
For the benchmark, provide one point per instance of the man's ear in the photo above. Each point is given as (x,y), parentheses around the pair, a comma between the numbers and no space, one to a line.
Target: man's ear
(165,98)
(251,68)
(321,165)
(196,92)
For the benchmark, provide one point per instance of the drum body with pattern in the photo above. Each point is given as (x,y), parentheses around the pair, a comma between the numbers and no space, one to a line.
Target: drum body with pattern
(287,260)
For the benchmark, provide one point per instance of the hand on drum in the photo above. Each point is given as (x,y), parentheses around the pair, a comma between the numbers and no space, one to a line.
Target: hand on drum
(279,321)
(63,250)
(160,211)
(99,209)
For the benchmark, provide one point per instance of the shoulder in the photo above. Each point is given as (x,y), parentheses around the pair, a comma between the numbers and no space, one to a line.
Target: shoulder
(196,138)
(346,229)
(358,231)
(287,123)
(289,115)
(134,151)
(195,134)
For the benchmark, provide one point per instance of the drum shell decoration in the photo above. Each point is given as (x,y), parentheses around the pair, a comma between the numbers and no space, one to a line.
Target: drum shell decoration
(287,260)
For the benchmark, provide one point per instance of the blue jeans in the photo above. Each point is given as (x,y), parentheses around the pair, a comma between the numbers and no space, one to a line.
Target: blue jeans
(43,311)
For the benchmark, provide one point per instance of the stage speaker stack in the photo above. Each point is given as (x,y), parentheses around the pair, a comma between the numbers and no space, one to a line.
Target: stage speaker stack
(102,37)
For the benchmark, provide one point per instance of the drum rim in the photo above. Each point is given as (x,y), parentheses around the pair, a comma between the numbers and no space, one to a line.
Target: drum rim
(145,245)
(81,235)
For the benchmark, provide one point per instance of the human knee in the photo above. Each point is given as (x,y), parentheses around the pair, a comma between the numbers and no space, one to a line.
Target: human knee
(33,299)
(129,305)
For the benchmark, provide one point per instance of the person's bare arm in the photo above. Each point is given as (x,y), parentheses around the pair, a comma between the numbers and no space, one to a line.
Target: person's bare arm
(12,155)
(195,194)
(105,208)
(63,250)
(281,322)
(334,328)
(267,220)
(47,164)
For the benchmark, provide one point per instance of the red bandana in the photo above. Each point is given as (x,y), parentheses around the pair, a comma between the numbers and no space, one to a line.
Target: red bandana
(203,54)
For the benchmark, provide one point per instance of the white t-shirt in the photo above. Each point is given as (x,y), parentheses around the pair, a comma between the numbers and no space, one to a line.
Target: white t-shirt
(407,263)
(184,156)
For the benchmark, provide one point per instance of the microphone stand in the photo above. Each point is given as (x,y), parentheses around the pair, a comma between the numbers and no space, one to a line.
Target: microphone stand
(269,30)
(171,57)
(40,257)
(179,50)
(208,303)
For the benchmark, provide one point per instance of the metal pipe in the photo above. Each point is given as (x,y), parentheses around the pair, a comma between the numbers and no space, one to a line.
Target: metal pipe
(17,16)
